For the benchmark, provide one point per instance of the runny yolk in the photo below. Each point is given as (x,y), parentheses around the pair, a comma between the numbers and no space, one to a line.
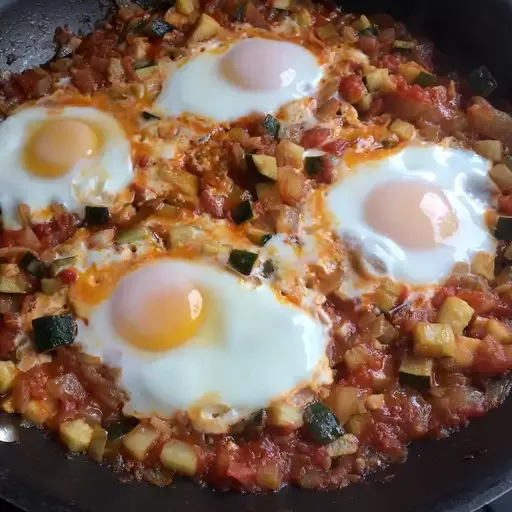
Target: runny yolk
(259,64)
(157,320)
(413,214)
(56,146)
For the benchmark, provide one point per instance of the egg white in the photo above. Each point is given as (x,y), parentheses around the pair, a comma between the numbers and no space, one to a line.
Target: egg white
(196,86)
(94,181)
(251,350)
(461,175)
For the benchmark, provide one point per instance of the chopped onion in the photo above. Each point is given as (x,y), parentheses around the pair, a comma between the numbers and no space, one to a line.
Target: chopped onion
(288,220)
(67,387)
(157,476)
(292,185)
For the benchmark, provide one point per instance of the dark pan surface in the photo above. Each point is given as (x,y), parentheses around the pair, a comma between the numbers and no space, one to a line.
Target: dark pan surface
(460,474)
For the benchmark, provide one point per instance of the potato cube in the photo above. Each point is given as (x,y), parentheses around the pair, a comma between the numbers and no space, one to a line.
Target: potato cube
(76,434)
(456,313)
(283,414)
(187,6)
(180,457)
(206,28)
(140,440)
(500,331)
(433,340)
(8,372)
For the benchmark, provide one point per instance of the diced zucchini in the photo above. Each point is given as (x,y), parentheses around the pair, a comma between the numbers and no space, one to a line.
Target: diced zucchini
(268,269)
(205,29)
(302,17)
(410,71)
(38,412)
(131,235)
(141,62)
(265,165)
(187,6)
(387,294)
(433,340)
(8,372)
(96,215)
(76,434)
(374,402)
(483,265)
(283,414)
(180,457)
(288,153)
(503,229)
(456,313)
(258,236)
(242,212)
(362,23)
(502,176)
(242,261)
(490,149)
(482,82)
(322,424)
(55,331)
(11,279)
(425,79)
(157,28)
(404,130)
(121,428)
(61,264)
(404,45)
(313,165)
(345,445)
(148,116)
(140,440)
(98,444)
(32,264)
(326,31)
(51,285)
(500,331)
(416,372)
(370,32)
(271,125)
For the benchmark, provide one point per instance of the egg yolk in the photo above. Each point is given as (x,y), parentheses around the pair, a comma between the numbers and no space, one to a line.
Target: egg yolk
(413,214)
(259,64)
(159,320)
(56,146)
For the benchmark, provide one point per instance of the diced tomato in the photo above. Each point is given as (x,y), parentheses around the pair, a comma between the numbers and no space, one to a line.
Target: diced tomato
(369,44)
(491,357)
(505,205)
(212,204)
(336,147)
(481,302)
(315,137)
(352,88)
(68,276)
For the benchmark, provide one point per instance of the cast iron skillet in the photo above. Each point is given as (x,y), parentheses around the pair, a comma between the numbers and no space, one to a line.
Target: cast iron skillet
(459,474)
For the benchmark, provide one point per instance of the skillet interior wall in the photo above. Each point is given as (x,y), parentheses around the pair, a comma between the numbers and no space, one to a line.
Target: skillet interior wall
(439,475)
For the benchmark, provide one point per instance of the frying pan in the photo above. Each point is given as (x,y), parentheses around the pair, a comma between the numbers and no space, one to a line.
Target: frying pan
(459,474)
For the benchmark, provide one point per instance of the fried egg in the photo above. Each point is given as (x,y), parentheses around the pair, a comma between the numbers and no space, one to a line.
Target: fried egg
(72,155)
(228,81)
(416,213)
(193,337)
